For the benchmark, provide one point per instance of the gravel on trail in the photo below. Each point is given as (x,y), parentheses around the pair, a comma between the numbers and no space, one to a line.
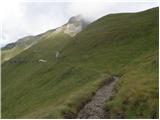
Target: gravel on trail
(95,108)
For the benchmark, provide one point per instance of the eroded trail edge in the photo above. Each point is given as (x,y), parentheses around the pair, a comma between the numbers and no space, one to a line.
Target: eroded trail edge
(95,108)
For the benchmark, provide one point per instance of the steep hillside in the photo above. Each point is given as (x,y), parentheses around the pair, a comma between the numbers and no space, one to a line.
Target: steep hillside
(12,49)
(57,76)
(72,27)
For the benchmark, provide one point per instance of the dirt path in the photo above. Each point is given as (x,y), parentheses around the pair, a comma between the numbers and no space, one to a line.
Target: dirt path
(95,108)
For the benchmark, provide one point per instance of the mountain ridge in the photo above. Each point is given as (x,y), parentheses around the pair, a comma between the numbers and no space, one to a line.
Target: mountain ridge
(74,25)
(121,44)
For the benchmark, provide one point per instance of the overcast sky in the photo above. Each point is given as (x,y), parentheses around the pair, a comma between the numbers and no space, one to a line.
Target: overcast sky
(31,18)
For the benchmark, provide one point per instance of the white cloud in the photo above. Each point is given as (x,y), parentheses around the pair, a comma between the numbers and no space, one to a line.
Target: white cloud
(96,10)
(31,18)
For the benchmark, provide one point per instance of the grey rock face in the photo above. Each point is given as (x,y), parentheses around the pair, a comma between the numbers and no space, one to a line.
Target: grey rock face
(74,26)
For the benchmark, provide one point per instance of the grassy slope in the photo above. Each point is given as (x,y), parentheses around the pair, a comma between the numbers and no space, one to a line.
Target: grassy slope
(125,44)
(22,45)
(10,53)
(7,54)
(137,92)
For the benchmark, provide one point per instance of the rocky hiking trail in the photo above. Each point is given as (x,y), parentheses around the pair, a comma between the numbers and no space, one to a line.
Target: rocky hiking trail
(95,108)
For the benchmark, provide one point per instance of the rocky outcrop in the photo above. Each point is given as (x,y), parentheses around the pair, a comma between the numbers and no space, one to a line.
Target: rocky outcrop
(74,26)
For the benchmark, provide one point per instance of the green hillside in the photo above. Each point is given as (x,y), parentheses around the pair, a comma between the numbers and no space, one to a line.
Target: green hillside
(118,44)
(15,48)
(12,49)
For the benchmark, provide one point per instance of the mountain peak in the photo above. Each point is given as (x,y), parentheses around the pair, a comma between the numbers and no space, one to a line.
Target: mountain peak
(75,25)
(77,18)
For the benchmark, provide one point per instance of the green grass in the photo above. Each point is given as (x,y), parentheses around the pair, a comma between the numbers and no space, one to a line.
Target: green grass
(136,94)
(8,54)
(122,44)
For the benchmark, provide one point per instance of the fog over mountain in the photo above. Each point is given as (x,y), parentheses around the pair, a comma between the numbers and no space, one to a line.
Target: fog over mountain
(31,18)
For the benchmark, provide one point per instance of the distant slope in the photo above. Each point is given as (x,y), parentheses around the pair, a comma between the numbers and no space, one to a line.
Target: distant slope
(120,44)
(72,27)
(12,49)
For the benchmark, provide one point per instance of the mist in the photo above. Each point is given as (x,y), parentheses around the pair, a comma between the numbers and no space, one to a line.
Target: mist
(32,18)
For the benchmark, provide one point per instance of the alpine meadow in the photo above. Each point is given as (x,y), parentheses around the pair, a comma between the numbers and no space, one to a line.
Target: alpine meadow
(104,69)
